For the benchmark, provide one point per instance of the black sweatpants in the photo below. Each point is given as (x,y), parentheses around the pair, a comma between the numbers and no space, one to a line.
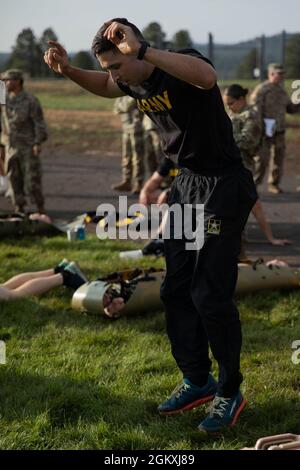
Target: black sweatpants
(199,285)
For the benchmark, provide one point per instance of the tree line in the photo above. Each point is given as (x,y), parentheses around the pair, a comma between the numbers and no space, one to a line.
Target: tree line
(292,60)
(28,52)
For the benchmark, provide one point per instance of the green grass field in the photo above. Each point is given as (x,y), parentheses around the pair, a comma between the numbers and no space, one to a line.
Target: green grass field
(80,120)
(66,95)
(84,382)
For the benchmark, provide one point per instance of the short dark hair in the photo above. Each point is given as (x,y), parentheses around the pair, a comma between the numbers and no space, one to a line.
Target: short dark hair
(101,44)
(235,91)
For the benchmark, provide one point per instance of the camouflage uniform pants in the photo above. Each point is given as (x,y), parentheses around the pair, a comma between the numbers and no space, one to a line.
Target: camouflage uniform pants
(153,151)
(132,156)
(25,176)
(272,152)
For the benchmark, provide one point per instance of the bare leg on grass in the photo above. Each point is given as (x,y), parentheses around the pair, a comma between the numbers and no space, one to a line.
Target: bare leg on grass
(32,287)
(21,279)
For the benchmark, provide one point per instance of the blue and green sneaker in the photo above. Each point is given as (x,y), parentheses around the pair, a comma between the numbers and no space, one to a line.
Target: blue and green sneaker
(61,266)
(223,414)
(188,396)
(73,276)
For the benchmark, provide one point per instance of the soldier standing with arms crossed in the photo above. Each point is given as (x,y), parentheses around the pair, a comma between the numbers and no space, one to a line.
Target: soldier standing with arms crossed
(23,130)
(272,104)
(178,91)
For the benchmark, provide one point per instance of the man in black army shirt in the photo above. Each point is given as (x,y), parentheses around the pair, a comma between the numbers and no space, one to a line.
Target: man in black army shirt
(178,91)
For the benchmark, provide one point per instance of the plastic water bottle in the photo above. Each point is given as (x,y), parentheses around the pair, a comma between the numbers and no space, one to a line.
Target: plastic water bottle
(133,254)
(80,232)
(72,235)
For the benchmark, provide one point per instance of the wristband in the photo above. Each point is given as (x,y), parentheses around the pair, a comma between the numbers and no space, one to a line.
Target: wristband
(142,50)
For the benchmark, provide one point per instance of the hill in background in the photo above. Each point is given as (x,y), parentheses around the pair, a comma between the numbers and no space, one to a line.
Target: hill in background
(227,57)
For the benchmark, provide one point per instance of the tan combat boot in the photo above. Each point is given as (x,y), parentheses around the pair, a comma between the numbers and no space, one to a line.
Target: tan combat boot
(123,186)
(273,188)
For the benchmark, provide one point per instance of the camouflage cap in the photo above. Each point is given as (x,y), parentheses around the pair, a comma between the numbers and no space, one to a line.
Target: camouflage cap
(12,74)
(276,68)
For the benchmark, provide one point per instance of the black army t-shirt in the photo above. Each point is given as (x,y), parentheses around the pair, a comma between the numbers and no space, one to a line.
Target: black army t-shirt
(194,127)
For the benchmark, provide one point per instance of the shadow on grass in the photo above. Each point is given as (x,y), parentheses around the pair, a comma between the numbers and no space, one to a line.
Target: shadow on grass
(55,405)
(64,400)
(60,403)
(273,416)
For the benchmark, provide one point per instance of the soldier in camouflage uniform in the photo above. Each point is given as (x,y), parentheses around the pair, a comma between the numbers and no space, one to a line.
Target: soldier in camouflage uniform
(23,129)
(272,103)
(153,152)
(132,145)
(247,133)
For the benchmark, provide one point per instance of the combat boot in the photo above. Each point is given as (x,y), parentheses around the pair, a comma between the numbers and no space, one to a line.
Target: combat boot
(273,188)
(123,186)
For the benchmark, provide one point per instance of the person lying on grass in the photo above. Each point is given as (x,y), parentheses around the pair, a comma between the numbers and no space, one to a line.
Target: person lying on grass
(64,274)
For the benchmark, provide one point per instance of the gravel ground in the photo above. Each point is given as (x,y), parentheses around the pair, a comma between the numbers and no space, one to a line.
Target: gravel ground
(74,183)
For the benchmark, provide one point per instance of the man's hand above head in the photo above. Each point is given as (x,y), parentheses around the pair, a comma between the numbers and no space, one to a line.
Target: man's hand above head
(56,57)
(99,83)
(123,37)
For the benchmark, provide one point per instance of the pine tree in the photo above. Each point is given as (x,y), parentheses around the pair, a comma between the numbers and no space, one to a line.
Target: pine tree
(292,62)
(26,54)
(246,67)
(154,34)
(48,35)
(83,60)
(182,40)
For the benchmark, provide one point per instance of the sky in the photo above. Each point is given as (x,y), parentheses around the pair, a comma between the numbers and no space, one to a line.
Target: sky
(76,21)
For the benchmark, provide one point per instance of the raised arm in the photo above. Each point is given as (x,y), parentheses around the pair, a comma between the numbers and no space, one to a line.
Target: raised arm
(190,69)
(99,83)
